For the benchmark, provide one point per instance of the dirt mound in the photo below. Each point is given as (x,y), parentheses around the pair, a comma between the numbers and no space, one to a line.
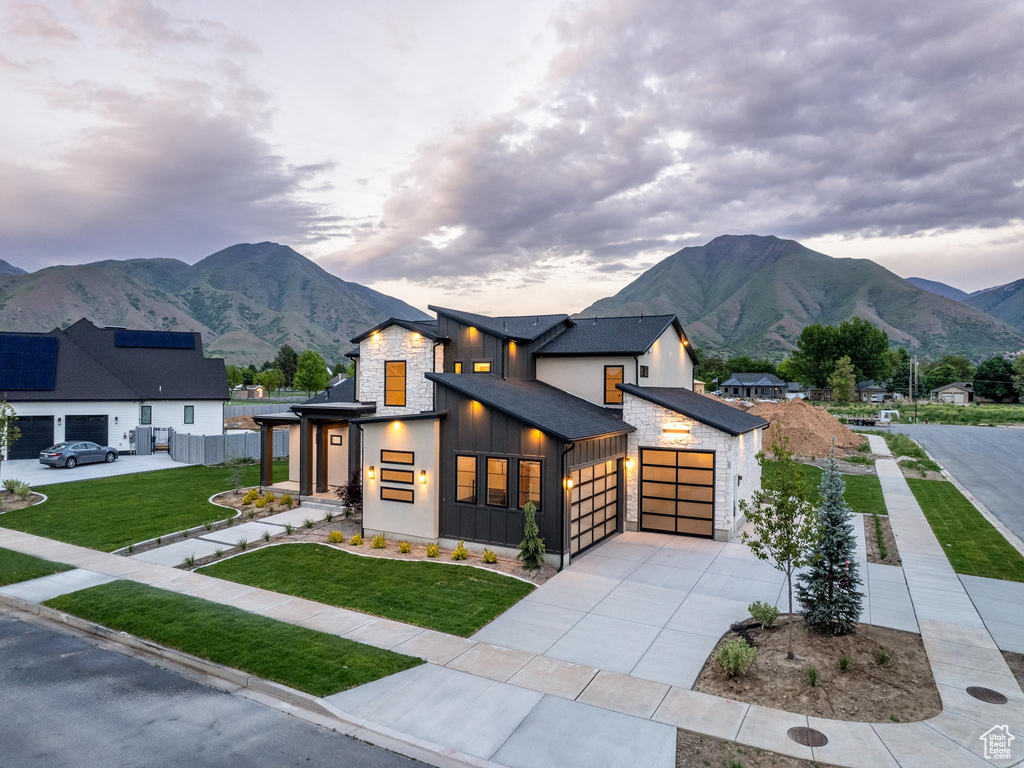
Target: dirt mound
(810,429)
(240,422)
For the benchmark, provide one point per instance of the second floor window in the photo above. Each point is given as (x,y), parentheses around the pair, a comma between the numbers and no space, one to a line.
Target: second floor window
(497,482)
(612,376)
(147,415)
(458,367)
(394,382)
(482,367)
(644,371)
(190,414)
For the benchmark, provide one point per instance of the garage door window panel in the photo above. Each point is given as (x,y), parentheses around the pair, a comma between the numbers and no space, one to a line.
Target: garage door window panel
(593,513)
(677,491)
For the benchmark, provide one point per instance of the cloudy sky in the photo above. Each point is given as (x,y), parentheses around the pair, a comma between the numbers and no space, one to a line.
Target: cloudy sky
(511,156)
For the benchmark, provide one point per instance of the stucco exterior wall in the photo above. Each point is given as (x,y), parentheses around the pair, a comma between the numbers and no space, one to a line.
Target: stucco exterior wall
(584,376)
(398,519)
(396,343)
(668,362)
(737,474)
(294,434)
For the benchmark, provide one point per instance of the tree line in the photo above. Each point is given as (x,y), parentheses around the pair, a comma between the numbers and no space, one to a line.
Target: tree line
(307,372)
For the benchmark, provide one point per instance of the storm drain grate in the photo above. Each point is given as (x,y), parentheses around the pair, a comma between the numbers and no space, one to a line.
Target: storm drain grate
(987,695)
(808,736)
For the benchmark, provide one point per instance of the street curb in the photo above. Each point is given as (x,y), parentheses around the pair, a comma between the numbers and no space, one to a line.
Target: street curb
(267,692)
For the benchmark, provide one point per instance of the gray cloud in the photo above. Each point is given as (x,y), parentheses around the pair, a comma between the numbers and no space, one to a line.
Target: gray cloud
(662,124)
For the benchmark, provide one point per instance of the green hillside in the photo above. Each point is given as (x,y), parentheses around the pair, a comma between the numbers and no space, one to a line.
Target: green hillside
(1004,301)
(753,295)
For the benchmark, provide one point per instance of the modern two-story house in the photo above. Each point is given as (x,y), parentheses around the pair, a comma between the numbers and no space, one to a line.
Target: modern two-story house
(453,424)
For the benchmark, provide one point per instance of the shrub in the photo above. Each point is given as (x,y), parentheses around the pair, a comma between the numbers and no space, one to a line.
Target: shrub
(266,536)
(159,540)
(131,548)
(260,503)
(242,544)
(286,500)
(460,552)
(18,487)
(531,548)
(489,557)
(251,514)
(336,537)
(251,495)
(218,553)
(882,657)
(763,613)
(329,516)
(844,662)
(288,528)
(309,522)
(208,525)
(433,550)
(189,561)
(269,498)
(356,540)
(735,657)
(812,675)
(351,494)
(404,547)
(379,542)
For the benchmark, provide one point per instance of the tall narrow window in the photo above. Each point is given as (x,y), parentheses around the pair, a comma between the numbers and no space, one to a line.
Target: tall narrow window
(146,416)
(465,481)
(394,382)
(482,367)
(645,371)
(497,482)
(190,414)
(612,376)
(529,483)
(458,367)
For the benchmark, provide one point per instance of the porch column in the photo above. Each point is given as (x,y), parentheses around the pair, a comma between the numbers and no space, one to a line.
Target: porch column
(266,454)
(305,457)
(321,458)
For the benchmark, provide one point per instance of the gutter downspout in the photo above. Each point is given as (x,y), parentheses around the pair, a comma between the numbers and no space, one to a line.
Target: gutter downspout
(362,517)
(565,491)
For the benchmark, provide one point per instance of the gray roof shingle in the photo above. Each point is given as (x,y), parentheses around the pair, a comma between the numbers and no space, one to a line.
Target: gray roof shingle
(427,327)
(520,327)
(702,408)
(342,392)
(540,405)
(754,380)
(612,336)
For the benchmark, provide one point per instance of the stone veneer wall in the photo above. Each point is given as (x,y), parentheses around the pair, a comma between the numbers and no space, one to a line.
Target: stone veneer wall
(396,343)
(735,457)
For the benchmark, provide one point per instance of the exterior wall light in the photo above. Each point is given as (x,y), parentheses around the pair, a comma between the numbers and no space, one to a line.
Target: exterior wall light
(423,477)
(371,472)
(629,462)
(568,483)
(676,429)
(416,336)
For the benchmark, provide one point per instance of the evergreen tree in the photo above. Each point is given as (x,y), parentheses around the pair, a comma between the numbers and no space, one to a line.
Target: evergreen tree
(828,590)
(531,548)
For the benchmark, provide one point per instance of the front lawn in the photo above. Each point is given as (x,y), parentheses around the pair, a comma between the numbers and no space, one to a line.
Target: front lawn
(15,567)
(901,445)
(974,547)
(112,512)
(863,492)
(301,658)
(455,599)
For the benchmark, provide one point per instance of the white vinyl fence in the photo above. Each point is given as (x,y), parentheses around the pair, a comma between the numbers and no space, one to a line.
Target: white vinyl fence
(216,449)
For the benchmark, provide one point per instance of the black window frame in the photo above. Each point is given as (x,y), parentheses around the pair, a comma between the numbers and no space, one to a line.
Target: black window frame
(487,483)
(145,415)
(405,384)
(488,363)
(540,482)
(396,473)
(458,366)
(409,463)
(616,392)
(411,491)
(189,416)
(645,372)
(476,479)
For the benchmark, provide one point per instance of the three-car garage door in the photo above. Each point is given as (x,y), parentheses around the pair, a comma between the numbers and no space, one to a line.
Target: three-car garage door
(36,434)
(677,491)
(92,428)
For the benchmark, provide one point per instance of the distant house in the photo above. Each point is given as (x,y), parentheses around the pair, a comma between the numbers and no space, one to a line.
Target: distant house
(749,385)
(795,390)
(871,392)
(698,386)
(249,392)
(956,393)
(336,379)
(100,384)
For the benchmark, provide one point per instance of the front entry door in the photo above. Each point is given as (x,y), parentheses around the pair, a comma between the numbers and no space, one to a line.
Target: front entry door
(677,491)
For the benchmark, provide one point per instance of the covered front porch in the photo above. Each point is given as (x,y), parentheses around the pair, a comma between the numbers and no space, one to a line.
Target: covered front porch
(323,448)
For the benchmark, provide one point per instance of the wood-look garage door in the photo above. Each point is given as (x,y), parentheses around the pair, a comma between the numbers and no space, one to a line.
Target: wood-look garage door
(594,504)
(677,491)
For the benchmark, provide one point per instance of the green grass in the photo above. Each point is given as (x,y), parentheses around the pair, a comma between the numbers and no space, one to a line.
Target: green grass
(938,413)
(15,567)
(112,512)
(901,445)
(974,547)
(448,598)
(863,492)
(301,658)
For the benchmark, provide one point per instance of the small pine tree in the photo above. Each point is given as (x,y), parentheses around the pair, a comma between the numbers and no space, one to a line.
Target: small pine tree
(828,590)
(531,548)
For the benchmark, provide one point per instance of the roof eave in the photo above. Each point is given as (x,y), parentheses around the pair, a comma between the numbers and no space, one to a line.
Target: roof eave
(409,325)
(638,392)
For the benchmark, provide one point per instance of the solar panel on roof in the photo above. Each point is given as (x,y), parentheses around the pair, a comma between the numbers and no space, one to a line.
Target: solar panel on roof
(154,339)
(27,362)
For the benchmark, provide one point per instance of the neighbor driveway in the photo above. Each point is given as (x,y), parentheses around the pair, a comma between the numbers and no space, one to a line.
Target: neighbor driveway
(34,473)
(988,461)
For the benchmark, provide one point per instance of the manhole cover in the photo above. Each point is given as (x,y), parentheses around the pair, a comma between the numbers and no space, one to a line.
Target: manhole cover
(808,737)
(987,695)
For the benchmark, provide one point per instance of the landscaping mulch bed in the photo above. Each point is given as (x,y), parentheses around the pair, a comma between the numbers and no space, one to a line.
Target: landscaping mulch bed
(694,750)
(9,502)
(892,553)
(900,689)
(1015,661)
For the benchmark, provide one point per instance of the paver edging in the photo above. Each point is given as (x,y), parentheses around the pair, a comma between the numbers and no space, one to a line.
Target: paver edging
(36,493)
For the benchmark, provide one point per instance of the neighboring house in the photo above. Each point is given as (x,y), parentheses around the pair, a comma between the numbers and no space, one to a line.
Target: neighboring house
(796,391)
(957,393)
(819,393)
(250,392)
(698,386)
(336,379)
(100,384)
(870,392)
(754,385)
(454,424)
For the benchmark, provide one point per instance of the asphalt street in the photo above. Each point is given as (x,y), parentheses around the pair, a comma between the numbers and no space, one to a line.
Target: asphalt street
(67,702)
(989,461)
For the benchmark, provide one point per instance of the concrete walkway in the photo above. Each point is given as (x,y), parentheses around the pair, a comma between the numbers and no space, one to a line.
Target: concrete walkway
(521,708)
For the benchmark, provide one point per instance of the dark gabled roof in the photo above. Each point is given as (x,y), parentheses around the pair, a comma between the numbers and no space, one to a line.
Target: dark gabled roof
(427,327)
(796,386)
(519,327)
(754,380)
(91,367)
(540,405)
(870,384)
(706,410)
(352,352)
(342,392)
(613,336)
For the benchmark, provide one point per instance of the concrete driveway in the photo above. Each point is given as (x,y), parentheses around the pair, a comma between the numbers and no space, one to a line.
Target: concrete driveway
(35,474)
(988,461)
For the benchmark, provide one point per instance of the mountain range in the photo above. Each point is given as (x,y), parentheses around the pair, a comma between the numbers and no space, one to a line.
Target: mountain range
(10,269)
(1003,301)
(748,294)
(247,300)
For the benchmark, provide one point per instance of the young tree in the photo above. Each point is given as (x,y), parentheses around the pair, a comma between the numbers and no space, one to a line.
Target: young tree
(531,548)
(842,380)
(785,527)
(828,591)
(939,376)
(248,376)
(994,379)
(9,430)
(271,379)
(234,375)
(351,494)
(311,374)
(286,362)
